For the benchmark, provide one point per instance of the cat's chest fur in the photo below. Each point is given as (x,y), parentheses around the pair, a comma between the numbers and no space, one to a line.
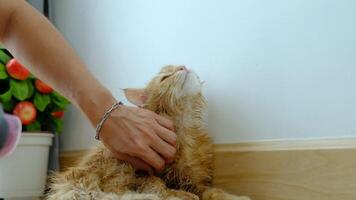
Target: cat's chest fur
(193,160)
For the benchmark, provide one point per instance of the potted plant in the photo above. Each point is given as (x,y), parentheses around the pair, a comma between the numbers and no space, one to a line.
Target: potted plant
(40,109)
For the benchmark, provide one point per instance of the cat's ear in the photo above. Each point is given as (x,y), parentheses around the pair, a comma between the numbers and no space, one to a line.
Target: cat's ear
(136,96)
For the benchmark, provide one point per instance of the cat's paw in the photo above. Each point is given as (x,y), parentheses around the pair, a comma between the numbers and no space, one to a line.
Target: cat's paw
(218,194)
(142,196)
(181,195)
(240,198)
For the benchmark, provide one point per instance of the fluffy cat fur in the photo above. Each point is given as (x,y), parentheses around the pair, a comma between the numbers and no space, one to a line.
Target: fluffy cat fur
(174,93)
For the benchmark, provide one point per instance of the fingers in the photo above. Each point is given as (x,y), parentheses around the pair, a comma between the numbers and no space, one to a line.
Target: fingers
(164,122)
(164,149)
(143,139)
(136,162)
(164,141)
(164,131)
(166,135)
(152,158)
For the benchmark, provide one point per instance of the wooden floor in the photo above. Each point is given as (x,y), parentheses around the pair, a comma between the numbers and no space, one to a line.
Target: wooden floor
(289,175)
(282,170)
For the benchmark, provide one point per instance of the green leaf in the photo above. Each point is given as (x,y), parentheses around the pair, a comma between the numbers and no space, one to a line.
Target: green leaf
(31,76)
(33,127)
(59,100)
(4,58)
(58,125)
(41,101)
(19,89)
(5,97)
(31,89)
(8,106)
(3,73)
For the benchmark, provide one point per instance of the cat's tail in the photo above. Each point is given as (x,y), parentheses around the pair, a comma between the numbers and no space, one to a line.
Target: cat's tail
(80,194)
(75,193)
(61,188)
(64,189)
(68,191)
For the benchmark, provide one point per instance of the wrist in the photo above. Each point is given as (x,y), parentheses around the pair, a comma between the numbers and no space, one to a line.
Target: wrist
(95,105)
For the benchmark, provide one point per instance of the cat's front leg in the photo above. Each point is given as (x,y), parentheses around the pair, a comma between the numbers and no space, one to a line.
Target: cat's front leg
(155,185)
(139,196)
(181,195)
(218,194)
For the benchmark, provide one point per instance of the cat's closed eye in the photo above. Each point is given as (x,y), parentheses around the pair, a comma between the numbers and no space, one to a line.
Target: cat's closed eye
(165,77)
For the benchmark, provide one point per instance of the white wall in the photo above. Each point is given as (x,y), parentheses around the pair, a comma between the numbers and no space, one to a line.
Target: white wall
(273,69)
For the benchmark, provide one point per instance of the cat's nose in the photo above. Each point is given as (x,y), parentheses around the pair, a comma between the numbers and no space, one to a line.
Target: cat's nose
(182,68)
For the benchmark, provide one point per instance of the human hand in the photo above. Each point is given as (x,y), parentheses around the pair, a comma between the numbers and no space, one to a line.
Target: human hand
(140,137)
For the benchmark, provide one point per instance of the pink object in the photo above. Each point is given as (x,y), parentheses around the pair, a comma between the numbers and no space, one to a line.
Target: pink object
(14,133)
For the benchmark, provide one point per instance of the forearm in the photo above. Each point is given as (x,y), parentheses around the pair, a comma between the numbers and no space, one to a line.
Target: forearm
(36,43)
(135,135)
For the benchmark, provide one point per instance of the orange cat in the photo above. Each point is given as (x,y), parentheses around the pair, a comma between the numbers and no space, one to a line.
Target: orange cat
(175,93)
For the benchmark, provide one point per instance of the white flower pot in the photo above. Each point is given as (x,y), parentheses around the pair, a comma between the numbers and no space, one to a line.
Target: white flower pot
(23,173)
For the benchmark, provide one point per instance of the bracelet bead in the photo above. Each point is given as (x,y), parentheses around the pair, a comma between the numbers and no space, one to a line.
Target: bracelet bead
(105,116)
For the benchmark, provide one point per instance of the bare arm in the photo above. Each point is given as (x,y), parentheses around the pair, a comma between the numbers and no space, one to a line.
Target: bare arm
(41,48)
(37,44)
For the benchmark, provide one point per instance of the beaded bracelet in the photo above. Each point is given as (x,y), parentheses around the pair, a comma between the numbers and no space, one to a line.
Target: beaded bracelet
(105,116)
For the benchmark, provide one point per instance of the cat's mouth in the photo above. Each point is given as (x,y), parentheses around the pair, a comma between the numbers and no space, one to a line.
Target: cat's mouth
(181,80)
(185,77)
(190,83)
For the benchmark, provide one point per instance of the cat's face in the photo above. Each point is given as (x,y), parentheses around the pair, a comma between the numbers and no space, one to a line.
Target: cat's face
(172,86)
(175,81)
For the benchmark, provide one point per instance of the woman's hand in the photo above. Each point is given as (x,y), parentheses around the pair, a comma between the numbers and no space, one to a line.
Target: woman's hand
(132,134)
(140,137)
